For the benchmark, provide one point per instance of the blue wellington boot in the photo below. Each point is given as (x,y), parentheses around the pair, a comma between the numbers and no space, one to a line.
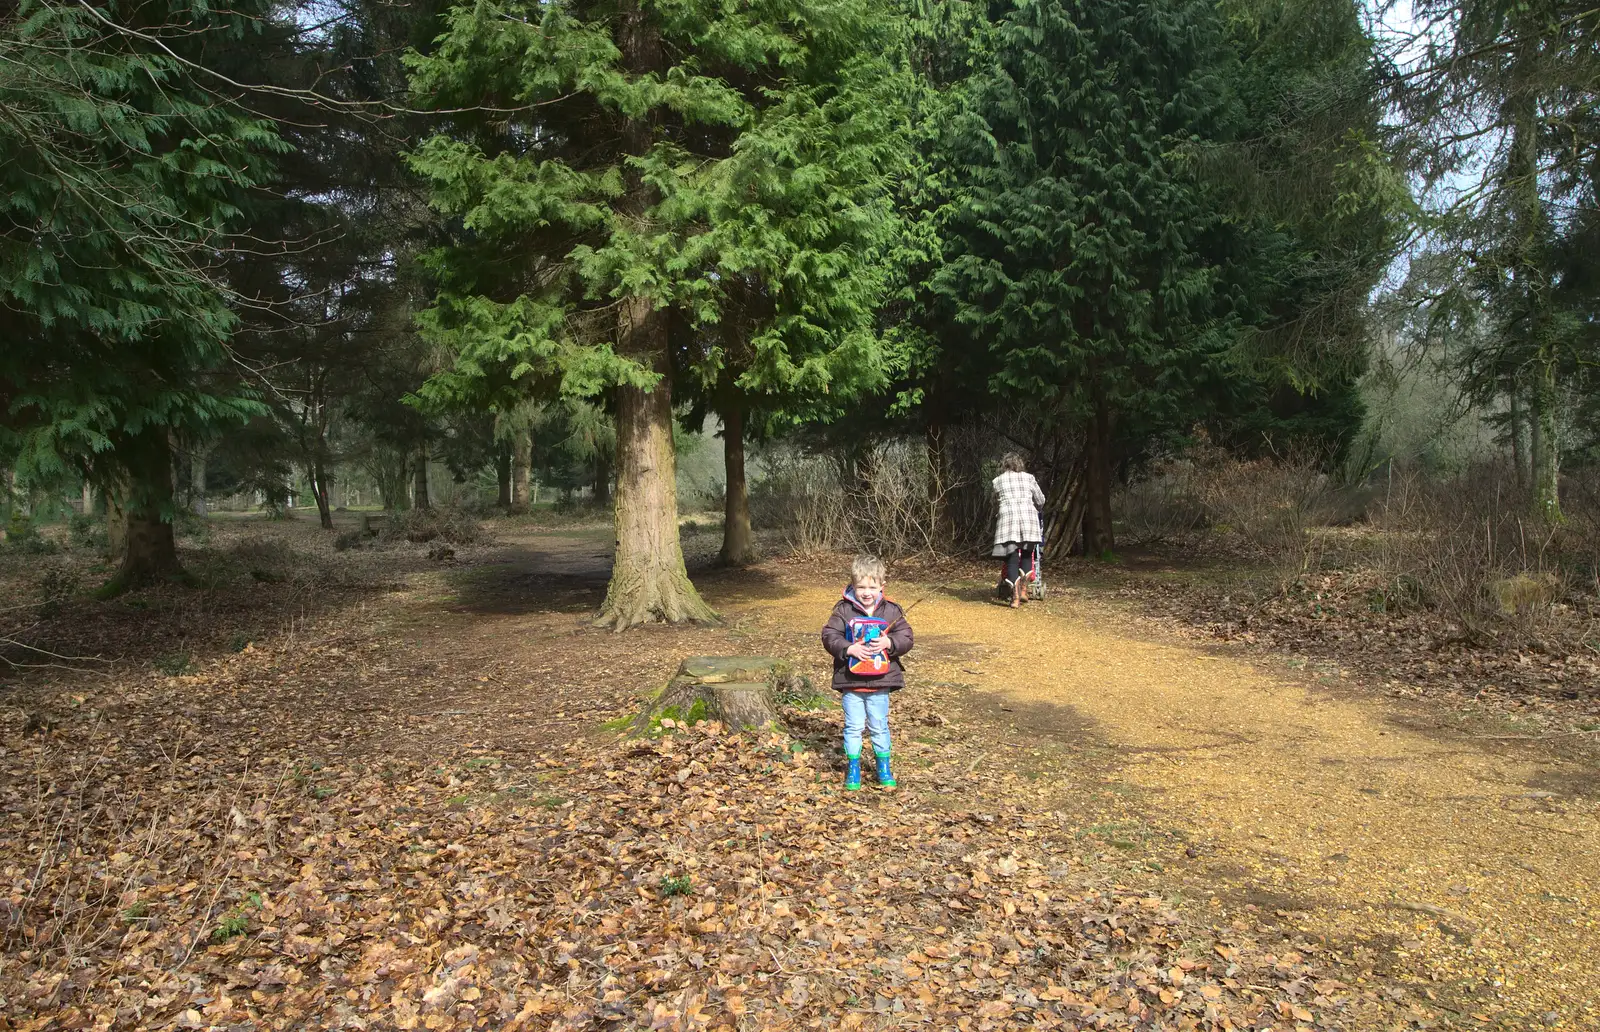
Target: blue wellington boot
(852,775)
(885,778)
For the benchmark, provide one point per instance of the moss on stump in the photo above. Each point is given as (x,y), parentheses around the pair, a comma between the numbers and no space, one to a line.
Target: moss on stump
(738,691)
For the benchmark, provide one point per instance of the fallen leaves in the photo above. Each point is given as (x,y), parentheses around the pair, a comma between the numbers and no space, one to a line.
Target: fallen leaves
(1330,627)
(698,881)
(798,906)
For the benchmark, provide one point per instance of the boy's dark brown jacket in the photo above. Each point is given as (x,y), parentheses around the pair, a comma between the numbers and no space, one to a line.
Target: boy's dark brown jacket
(836,639)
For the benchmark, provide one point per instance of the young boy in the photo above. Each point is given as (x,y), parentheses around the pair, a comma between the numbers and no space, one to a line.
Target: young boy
(866,636)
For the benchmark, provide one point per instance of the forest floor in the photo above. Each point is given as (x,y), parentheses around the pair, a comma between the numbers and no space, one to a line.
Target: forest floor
(369,790)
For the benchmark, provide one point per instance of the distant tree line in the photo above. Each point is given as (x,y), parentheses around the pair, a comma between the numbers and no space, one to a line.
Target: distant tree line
(265,243)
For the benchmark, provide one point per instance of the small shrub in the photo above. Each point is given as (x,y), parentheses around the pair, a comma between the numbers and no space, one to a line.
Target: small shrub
(136,912)
(1523,592)
(239,642)
(1467,548)
(348,540)
(267,561)
(23,538)
(190,526)
(174,664)
(236,921)
(1271,506)
(88,532)
(420,526)
(676,886)
(55,588)
(883,499)
(796,690)
(1162,505)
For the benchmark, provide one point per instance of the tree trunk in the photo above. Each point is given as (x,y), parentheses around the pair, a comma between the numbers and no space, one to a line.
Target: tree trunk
(115,492)
(648,579)
(88,498)
(1519,441)
(1098,537)
(149,551)
(602,481)
(116,526)
(1531,275)
(1065,505)
(502,469)
(521,459)
(319,487)
(1547,447)
(739,691)
(419,488)
(738,542)
(939,476)
(392,483)
(197,479)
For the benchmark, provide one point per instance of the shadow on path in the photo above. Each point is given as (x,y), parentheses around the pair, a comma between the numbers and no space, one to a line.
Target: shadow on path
(567,572)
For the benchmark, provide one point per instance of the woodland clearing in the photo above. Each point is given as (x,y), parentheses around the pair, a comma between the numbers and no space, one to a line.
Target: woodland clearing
(377,792)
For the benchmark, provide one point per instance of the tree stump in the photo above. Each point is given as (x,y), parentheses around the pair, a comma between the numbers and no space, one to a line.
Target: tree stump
(736,690)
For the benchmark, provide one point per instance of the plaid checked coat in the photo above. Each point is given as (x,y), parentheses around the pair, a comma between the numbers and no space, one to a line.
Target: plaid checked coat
(1020,498)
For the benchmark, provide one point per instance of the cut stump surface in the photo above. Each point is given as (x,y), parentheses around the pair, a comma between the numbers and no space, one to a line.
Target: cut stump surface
(736,690)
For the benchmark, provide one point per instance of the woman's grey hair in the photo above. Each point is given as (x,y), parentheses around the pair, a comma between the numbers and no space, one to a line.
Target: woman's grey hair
(868,566)
(1011,462)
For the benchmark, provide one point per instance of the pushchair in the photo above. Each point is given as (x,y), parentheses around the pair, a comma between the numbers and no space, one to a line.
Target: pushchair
(1030,565)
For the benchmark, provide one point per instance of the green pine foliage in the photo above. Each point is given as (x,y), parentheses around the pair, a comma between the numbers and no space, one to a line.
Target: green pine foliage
(1500,120)
(1317,205)
(769,174)
(1175,210)
(1075,245)
(122,180)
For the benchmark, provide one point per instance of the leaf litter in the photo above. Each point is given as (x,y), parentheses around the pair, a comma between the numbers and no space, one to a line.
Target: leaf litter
(477,895)
(303,835)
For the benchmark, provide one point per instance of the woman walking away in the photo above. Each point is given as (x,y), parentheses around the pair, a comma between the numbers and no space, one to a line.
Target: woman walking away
(1017,534)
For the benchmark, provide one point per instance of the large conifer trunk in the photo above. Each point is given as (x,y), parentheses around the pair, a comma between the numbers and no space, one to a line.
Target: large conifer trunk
(1098,537)
(738,541)
(197,480)
(419,481)
(521,460)
(319,489)
(502,469)
(1547,447)
(149,552)
(648,579)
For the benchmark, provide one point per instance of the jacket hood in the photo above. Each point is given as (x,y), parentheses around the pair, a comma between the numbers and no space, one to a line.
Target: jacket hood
(850,597)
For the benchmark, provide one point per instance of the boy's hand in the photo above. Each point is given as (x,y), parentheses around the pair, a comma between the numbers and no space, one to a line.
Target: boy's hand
(864,649)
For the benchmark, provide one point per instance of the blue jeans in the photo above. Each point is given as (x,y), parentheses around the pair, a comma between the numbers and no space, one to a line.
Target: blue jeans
(869,710)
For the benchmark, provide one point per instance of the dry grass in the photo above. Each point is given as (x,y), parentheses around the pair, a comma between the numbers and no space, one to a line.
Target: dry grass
(1463,550)
(1265,510)
(883,501)
(1469,551)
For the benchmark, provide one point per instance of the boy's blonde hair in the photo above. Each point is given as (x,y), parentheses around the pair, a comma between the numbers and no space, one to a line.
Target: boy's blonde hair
(868,566)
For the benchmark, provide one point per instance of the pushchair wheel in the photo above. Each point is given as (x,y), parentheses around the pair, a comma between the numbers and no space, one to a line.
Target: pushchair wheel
(1036,589)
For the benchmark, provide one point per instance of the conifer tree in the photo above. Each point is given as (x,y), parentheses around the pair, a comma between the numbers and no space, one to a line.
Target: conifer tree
(1502,100)
(1077,256)
(633,160)
(123,176)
